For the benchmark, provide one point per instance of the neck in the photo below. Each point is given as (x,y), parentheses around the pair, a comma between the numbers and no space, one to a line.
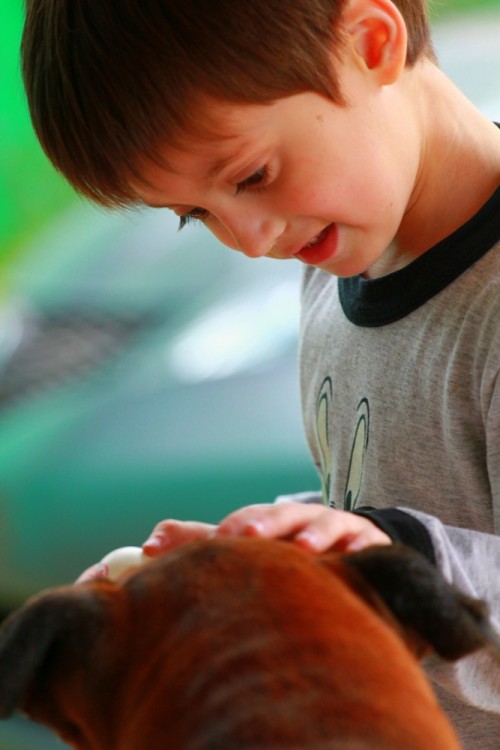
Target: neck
(459,166)
(459,163)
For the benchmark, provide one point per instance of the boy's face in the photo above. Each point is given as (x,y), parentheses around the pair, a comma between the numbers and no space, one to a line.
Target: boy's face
(301,178)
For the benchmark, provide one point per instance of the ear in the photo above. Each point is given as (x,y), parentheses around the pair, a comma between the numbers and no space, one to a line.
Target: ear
(422,601)
(55,628)
(377,37)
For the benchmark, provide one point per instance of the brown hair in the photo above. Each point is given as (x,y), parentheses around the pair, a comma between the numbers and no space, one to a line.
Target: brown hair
(108,80)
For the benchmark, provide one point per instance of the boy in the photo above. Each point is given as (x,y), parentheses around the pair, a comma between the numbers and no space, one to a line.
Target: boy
(320,131)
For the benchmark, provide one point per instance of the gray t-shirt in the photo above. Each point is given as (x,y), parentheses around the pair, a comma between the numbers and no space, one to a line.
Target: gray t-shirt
(401,403)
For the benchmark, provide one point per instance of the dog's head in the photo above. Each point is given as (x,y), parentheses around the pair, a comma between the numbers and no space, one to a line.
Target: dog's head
(242,643)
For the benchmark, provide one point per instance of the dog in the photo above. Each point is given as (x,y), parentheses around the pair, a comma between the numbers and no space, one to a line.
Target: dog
(243,644)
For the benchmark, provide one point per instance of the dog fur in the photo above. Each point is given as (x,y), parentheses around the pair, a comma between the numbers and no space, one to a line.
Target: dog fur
(242,644)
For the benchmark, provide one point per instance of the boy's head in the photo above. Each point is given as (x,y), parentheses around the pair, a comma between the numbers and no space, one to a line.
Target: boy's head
(108,82)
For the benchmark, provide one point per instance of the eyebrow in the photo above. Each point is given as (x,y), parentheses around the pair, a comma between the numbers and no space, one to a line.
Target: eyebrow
(218,166)
(212,172)
(247,142)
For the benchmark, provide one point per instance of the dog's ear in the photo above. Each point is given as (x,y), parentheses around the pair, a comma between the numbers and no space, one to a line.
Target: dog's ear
(35,639)
(422,601)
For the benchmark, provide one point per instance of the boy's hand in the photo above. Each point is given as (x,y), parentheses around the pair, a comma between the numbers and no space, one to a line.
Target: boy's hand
(167,535)
(316,528)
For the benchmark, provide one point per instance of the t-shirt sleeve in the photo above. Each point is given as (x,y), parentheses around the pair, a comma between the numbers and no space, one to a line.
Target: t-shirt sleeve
(471,561)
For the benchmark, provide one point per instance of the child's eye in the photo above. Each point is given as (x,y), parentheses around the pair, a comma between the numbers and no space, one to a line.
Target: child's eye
(195,214)
(258,179)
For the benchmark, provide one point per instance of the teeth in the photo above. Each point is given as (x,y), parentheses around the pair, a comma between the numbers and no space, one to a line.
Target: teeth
(313,241)
(317,238)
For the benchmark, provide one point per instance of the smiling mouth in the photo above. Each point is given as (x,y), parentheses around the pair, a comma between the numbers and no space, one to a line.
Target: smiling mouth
(319,238)
(321,247)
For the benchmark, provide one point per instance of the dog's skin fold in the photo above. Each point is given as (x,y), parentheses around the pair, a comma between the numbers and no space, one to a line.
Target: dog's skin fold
(242,644)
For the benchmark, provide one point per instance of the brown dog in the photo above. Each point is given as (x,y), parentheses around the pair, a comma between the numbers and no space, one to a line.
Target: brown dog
(242,644)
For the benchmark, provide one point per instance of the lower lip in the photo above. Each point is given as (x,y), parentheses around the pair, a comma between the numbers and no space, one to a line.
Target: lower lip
(323,251)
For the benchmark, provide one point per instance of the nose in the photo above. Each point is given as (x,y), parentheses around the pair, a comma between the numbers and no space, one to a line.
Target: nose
(250,232)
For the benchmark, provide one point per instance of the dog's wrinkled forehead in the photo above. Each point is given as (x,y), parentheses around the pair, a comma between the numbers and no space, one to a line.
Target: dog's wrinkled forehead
(393,579)
(243,569)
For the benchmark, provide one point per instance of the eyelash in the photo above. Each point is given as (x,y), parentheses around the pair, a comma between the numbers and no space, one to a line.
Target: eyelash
(196,214)
(258,180)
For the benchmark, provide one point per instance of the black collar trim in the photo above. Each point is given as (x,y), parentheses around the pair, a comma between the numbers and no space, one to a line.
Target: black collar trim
(377,302)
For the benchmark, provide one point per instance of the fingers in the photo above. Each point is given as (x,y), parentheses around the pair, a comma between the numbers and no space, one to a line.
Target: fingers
(166,536)
(340,531)
(313,527)
(169,534)
(280,521)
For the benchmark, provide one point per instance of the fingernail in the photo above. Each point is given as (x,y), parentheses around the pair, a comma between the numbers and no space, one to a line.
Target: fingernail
(154,544)
(254,528)
(354,547)
(308,540)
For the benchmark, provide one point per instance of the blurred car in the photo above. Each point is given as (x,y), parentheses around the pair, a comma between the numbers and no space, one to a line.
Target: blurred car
(144,374)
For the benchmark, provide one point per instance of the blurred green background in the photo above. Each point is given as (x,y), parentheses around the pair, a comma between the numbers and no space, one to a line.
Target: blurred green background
(30,190)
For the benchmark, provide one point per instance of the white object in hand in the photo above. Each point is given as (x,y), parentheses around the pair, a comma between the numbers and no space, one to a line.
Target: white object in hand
(121,559)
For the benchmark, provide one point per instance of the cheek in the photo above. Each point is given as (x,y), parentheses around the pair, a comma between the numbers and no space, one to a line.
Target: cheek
(375,191)
(334,185)
(385,178)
